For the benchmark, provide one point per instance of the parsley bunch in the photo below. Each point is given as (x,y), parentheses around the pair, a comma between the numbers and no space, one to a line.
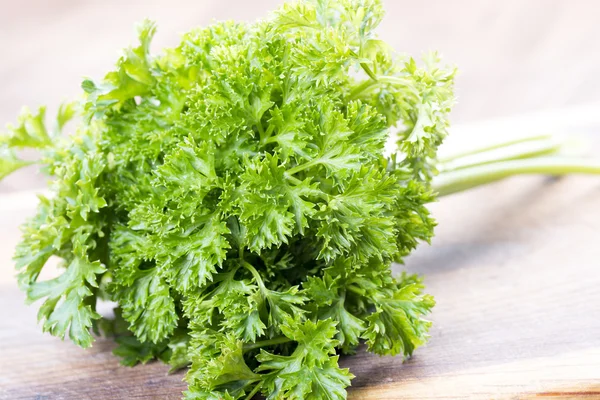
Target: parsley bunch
(232,196)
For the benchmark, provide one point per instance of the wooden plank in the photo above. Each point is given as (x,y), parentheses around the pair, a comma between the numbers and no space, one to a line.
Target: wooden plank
(515,277)
(514,268)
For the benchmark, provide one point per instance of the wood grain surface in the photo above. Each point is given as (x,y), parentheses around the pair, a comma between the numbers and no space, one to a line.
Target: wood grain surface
(514,268)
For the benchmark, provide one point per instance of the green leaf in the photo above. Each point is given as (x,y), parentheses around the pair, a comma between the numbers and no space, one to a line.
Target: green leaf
(311,371)
(328,295)
(272,208)
(178,351)
(354,222)
(133,352)
(66,112)
(193,257)
(9,162)
(284,305)
(66,309)
(149,307)
(397,326)
(190,167)
(30,131)
(218,365)
(133,76)
(243,316)
(350,328)
(44,234)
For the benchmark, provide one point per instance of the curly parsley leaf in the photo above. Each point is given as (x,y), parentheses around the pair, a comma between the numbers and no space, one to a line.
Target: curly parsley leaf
(311,371)
(64,310)
(9,162)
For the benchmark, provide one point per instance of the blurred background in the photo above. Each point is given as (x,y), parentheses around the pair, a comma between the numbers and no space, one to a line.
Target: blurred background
(514,56)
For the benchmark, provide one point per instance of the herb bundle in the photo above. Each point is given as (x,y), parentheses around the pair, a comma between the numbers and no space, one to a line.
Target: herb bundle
(232,196)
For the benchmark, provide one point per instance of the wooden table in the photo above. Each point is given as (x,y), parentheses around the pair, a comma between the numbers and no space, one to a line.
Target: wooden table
(515,269)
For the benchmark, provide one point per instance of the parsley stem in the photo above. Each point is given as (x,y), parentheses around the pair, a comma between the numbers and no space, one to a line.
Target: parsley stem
(265,137)
(261,132)
(254,391)
(462,152)
(359,291)
(358,90)
(255,274)
(462,179)
(368,71)
(265,343)
(510,151)
(296,181)
(383,79)
(292,179)
(302,167)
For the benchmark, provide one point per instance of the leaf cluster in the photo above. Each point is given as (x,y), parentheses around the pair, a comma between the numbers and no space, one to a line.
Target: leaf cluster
(232,196)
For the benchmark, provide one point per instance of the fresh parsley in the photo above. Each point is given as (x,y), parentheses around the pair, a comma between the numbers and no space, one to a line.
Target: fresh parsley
(232,197)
